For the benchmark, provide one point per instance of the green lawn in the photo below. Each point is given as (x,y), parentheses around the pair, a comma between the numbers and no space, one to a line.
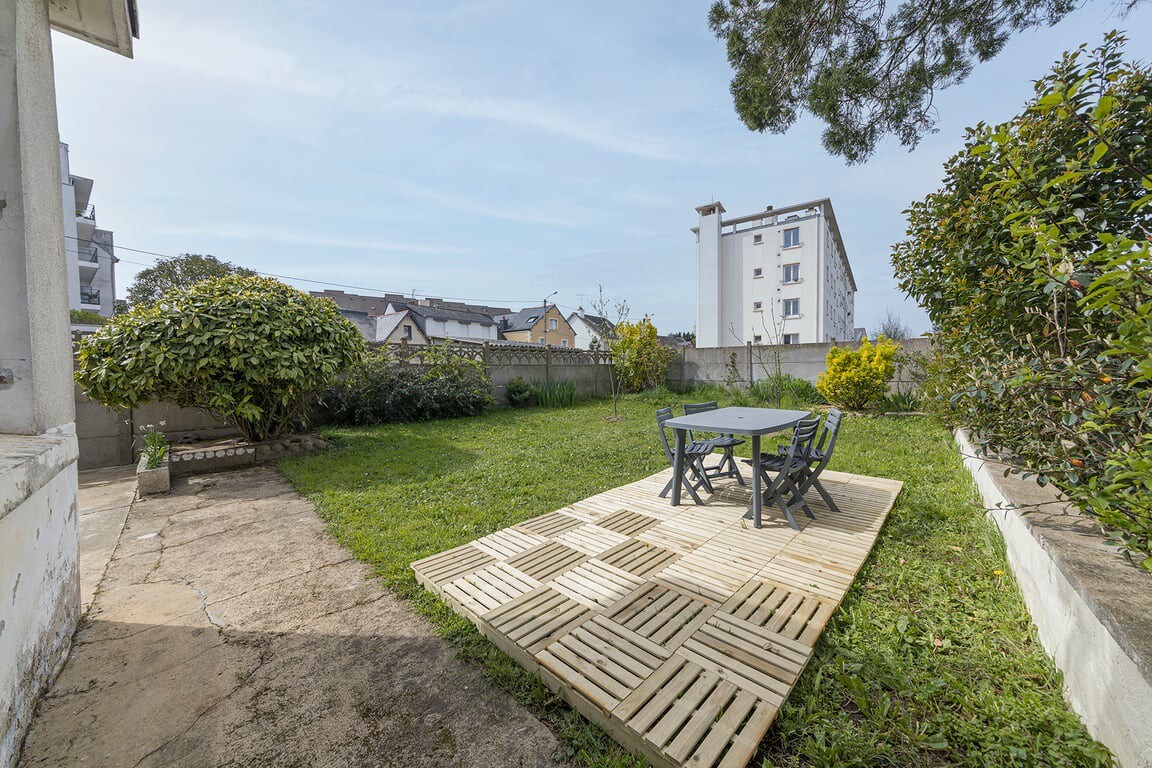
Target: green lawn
(930,660)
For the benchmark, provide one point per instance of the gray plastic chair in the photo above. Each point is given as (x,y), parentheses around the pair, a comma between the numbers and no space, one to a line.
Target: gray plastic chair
(726,443)
(786,476)
(820,455)
(695,476)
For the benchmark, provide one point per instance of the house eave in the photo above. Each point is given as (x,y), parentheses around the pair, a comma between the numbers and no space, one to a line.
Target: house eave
(109,24)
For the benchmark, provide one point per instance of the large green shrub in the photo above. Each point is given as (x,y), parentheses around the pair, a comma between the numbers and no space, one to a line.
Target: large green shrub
(1033,262)
(639,359)
(855,378)
(386,388)
(250,351)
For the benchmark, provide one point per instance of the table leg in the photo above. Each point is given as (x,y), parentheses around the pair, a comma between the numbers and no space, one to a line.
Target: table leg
(757,498)
(678,467)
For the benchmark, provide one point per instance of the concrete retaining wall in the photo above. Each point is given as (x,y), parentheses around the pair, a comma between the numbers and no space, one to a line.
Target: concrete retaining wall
(39,573)
(589,372)
(1092,609)
(748,363)
(105,434)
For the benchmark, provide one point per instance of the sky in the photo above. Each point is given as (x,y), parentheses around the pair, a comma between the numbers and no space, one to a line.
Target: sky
(495,152)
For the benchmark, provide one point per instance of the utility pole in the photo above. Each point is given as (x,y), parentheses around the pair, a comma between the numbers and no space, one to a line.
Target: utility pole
(545,316)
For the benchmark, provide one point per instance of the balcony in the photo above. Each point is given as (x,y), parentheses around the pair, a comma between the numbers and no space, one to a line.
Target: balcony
(88,213)
(89,257)
(89,295)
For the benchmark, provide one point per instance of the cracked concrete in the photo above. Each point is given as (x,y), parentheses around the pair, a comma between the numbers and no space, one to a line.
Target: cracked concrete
(231,630)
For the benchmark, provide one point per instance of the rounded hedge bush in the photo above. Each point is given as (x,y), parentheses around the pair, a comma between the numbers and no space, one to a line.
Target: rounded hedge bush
(383,387)
(250,351)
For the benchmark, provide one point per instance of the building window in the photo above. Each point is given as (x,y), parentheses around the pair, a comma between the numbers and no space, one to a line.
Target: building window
(757,239)
(757,339)
(407,331)
(758,272)
(757,306)
(792,237)
(791,273)
(564,342)
(542,340)
(552,324)
(791,338)
(791,307)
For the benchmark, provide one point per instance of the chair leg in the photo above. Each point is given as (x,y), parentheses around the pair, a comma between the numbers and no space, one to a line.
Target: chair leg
(733,467)
(702,473)
(787,512)
(689,468)
(820,489)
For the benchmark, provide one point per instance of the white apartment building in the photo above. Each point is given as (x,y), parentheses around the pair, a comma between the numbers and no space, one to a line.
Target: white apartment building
(89,251)
(780,276)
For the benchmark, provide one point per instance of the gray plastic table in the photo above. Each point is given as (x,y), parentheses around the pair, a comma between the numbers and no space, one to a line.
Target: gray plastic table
(754,422)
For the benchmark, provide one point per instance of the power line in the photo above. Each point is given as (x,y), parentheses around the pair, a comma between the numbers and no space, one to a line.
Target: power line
(117,247)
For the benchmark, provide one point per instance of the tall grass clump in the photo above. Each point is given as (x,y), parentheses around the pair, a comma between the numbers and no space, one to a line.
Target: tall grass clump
(556,394)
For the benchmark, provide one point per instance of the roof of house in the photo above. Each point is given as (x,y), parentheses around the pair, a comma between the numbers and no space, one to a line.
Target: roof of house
(524,320)
(378,305)
(362,321)
(440,312)
(675,342)
(372,305)
(601,326)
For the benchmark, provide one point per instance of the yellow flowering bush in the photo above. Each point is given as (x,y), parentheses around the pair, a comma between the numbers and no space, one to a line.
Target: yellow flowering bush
(855,377)
(640,360)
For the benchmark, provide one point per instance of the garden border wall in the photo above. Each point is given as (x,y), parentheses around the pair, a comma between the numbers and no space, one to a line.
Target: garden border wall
(749,363)
(1091,607)
(105,435)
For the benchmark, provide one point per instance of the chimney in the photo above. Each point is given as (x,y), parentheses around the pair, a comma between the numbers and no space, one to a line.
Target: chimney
(580,312)
(709,283)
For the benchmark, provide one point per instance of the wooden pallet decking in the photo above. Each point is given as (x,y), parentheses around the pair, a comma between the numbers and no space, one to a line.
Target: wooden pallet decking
(679,630)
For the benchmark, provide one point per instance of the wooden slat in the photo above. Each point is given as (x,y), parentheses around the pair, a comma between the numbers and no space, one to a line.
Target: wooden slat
(590,539)
(547,560)
(595,583)
(665,616)
(639,558)
(489,587)
(446,566)
(550,525)
(627,522)
(507,543)
(680,630)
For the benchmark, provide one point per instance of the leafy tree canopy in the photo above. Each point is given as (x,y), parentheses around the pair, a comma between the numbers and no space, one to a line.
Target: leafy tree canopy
(867,69)
(179,272)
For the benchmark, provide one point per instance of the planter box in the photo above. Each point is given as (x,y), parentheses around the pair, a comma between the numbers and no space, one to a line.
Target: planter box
(235,453)
(152,481)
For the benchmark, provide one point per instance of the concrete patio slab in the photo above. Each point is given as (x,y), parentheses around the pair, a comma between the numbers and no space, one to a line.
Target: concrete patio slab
(105,498)
(230,629)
